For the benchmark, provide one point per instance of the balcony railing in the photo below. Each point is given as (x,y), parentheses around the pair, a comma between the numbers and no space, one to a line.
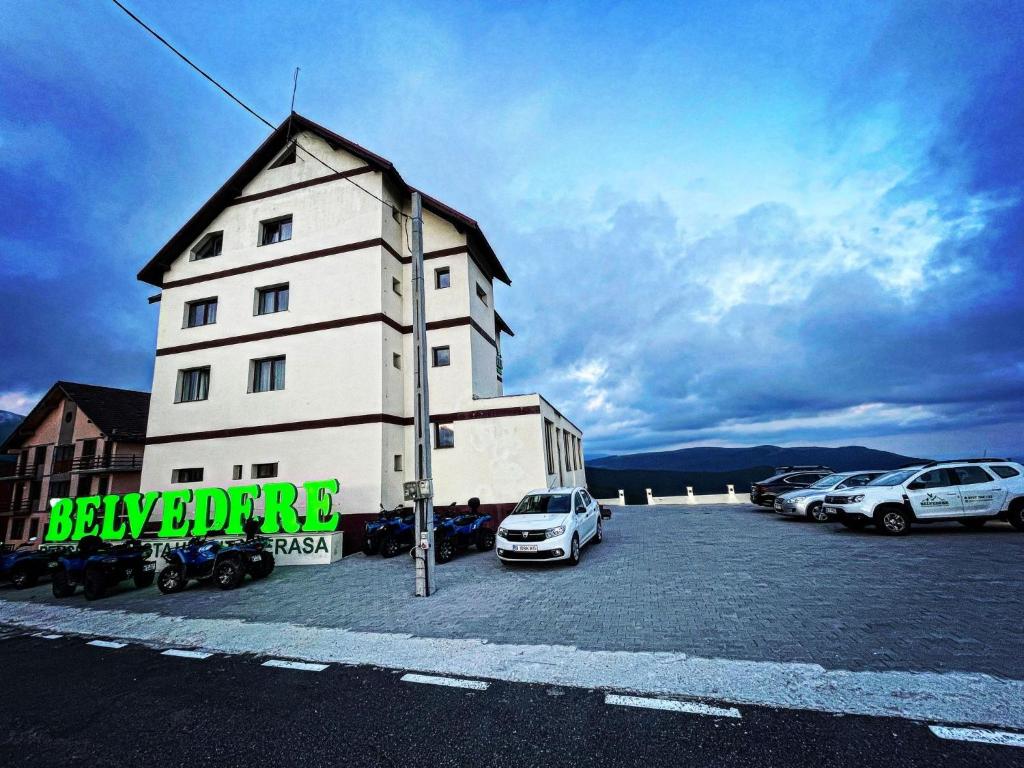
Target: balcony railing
(23,507)
(26,473)
(107,464)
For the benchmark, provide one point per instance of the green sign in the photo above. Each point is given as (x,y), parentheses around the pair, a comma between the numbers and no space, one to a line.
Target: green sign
(215,509)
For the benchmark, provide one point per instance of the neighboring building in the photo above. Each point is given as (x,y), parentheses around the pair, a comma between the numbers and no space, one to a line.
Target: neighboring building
(79,440)
(284,347)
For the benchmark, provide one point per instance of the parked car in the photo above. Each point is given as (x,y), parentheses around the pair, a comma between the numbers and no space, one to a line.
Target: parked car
(970,491)
(24,565)
(98,566)
(456,533)
(809,502)
(785,479)
(225,562)
(550,524)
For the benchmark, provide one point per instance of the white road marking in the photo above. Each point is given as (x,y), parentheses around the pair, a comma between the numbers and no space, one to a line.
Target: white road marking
(106,644)
(980,735)
(672,705)
(454,682)
(301,665)
(974,698)
(186,654)
(47,637)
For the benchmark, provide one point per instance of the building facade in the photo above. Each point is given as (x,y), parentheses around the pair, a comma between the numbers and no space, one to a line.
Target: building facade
(284,347)
(79,440)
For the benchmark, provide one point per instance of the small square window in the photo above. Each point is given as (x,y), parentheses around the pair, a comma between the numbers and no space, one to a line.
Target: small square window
(267,374)
(396,360)
(261,471)
(442,356)
(442,277)
(273,298)
(208,247)
(189,475)
(396,285)
(236,472)
(481,293)
(276,230)
(200,312)
(193,385)
(398,462)
(444,436)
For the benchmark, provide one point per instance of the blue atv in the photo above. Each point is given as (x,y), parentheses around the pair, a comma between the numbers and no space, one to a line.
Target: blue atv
(225,562)
(393,531)
(456,533)
(24,565)
(98,566)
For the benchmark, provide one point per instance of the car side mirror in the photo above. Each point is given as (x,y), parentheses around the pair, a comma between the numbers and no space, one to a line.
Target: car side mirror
(581,510)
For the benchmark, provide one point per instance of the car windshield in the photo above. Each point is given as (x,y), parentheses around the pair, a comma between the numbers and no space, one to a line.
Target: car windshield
(543,504)
(898,477)
(828,481)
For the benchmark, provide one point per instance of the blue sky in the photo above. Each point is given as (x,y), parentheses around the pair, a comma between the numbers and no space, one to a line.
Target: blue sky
(726,223)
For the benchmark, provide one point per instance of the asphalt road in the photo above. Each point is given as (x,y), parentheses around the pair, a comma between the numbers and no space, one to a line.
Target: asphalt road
(66,702)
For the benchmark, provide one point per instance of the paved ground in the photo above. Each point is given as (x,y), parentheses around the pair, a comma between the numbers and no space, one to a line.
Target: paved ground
(131,705)
(714,582)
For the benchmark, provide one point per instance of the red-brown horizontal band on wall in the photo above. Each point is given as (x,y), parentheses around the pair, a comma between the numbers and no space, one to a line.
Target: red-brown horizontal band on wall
(377,317)
(341,421)
(302,185)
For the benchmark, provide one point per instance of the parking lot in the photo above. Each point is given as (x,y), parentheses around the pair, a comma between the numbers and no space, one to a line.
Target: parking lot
(735,582)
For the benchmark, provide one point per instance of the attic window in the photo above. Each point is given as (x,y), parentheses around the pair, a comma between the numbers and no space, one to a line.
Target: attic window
(286,158)
(208,247)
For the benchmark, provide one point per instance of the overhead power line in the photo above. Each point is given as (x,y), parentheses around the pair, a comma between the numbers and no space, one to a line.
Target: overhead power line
(245,106)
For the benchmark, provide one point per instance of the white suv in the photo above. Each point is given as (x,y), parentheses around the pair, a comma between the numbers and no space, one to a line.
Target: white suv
(970,491)
(551,524)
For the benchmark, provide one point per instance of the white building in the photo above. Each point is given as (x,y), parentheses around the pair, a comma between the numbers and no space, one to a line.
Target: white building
(285,341)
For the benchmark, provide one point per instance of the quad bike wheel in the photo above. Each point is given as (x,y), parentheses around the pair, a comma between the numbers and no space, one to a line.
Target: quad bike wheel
(388,545)
(172,579)
(485,539)
(444,550)
(228,574)
(23,578)
(370,545)
(144,579)
(61,585)
(95,584)
(263,567)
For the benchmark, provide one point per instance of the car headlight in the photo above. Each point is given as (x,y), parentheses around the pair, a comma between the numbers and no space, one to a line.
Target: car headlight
(857,499)
(551,533)
(797,499)
(503,532)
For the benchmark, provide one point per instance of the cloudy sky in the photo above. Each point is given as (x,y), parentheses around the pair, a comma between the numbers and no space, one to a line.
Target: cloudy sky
(727,223)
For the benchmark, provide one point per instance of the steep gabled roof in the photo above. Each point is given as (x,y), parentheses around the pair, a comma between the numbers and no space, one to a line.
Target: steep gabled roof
(154,270)
(120,414)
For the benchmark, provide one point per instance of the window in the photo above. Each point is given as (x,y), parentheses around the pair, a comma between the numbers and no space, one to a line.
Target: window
(89,447)
(1005,471)
(396,360)
(200,312)
(565,444)
(103,486)
(971,475)
(396,285)
(33,527)
(236,472)
(936,478)
(442,277)
(398,462)
(193,385)
(267,374)
(548,436)
(481,293)
(276,230)
(84,486)
(264,470)
(208,247)
(188,475)
(17,527)
(63,455)
(444,436)
(273,298)
(442,356)
(287,157)
(39,456)
(60,489)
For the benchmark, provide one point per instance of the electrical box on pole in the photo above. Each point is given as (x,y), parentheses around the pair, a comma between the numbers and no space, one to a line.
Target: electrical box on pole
(421,491)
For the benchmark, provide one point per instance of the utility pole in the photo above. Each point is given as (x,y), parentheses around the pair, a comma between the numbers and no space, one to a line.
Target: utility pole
(422,490)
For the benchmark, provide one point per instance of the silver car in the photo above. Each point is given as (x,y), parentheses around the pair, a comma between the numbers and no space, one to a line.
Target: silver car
(808,502)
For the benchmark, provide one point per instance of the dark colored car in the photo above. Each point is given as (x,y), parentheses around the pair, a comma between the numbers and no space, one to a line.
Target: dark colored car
(24,565)
(785,479)
(225,562)
(98,566)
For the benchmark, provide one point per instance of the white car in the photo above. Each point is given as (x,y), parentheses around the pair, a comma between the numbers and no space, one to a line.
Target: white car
(970,491)
(809,502)
(550,524)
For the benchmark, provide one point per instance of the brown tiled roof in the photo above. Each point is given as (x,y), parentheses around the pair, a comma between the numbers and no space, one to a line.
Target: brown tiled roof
(154,270)
(120,414)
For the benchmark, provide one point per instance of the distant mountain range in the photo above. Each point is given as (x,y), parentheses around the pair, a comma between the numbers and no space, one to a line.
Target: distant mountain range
(709,470)
(8,422)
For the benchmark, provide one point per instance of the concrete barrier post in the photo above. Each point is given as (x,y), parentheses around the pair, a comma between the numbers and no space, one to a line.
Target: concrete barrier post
(732,494)
(650,496)
(690,498)
(622,498)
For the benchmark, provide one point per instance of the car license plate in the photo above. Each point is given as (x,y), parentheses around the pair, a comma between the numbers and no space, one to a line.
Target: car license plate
(831,510)
(149,567)
(524,547)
